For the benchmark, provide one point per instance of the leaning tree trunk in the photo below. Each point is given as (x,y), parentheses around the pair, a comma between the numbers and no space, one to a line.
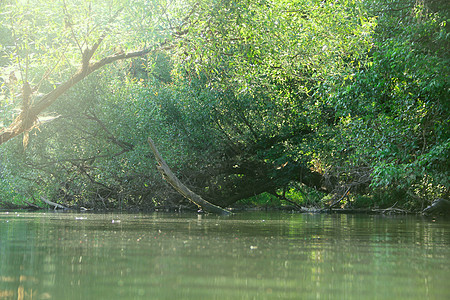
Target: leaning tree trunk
(168,175)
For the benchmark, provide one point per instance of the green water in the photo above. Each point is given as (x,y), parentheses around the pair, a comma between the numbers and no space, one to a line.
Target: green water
(245,256)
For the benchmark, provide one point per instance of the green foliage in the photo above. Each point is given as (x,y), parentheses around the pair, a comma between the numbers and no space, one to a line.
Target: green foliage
(393,113)
(254,97)
(7,192)
(249,44)
(262,200)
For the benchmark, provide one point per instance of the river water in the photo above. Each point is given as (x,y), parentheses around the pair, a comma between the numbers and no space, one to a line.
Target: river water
(245,256)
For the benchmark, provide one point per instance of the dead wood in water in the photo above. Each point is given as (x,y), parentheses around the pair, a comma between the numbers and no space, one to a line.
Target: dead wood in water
(168,175)
(55,205)
(391,210)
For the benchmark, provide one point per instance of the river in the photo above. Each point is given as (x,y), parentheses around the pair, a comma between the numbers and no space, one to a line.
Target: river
(251,255)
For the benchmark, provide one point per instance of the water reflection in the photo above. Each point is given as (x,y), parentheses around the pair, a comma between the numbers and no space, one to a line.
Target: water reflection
(254,256)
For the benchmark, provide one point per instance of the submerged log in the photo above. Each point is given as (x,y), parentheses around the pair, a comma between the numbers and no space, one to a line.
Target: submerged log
(168,175)
(439,206)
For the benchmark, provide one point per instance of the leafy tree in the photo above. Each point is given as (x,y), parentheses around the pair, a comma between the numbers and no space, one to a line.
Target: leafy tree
(250,69)
(391,126)
(242,98)
(53,47)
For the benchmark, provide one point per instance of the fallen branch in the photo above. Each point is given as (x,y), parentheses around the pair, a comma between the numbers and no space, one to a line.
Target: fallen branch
(31,205)
(168,175)
(56,205)
(391,210)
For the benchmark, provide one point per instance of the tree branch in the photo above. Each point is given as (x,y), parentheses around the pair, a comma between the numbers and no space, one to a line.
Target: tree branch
(22,122)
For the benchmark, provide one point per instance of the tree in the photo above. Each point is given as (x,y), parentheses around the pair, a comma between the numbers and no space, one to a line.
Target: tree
(257,68)
(390,117)
(247,44)
(46,41)
(261,62)
(248,97)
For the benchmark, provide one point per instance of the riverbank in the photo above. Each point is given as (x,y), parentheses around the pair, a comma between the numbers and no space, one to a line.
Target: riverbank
(442,209)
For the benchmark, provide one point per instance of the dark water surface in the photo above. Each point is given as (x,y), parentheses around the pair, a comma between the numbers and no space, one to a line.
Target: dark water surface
(245,256)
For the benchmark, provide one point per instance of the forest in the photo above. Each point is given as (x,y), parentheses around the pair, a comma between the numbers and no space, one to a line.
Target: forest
(251,103)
